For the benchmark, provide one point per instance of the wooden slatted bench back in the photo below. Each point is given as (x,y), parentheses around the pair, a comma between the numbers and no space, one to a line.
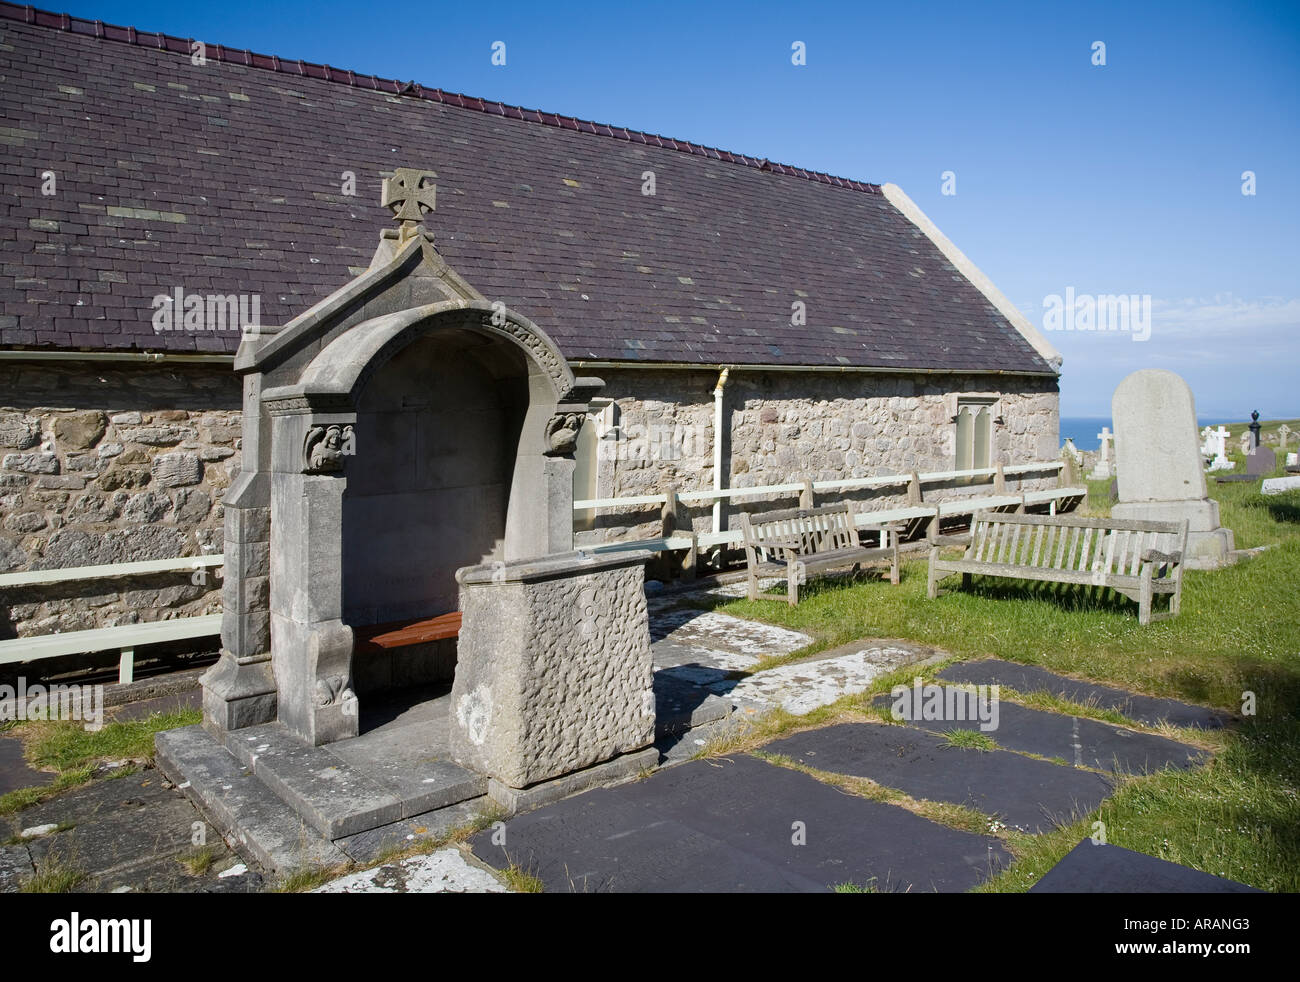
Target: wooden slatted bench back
(1137,559)
(1106,547)
(810,530)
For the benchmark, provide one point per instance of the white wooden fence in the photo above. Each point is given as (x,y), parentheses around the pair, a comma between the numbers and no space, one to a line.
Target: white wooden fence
(127,637)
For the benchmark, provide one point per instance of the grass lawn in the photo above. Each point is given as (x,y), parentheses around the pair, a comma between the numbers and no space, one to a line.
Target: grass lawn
(1239,631)
(72,752)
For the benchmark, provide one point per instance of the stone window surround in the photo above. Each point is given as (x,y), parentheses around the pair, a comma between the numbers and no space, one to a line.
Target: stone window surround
(952,405)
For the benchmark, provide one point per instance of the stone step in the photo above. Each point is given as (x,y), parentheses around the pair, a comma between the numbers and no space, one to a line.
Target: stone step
(239,804)
(354,785)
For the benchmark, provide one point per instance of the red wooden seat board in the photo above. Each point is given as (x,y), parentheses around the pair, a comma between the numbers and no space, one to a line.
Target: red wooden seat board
(401,634)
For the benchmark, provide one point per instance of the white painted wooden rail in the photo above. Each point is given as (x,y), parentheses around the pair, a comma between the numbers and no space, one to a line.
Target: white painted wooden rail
(124,638)
(842,484)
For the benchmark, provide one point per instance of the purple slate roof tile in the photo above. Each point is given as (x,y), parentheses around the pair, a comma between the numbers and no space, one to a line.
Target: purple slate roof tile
(165,180)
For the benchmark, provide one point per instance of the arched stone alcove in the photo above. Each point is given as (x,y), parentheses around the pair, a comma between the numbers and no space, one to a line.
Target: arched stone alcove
(414,444)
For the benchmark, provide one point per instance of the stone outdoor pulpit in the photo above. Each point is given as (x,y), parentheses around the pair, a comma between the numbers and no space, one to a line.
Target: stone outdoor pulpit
(402,429)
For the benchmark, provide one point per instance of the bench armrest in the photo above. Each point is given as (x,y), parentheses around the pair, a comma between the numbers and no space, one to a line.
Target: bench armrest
(1162,558)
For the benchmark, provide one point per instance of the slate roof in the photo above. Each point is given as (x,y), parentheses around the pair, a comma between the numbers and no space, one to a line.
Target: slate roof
(226,178)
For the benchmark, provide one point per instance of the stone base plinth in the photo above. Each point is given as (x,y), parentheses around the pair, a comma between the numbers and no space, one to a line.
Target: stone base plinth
(1209,545)
(238,693)
(553,672)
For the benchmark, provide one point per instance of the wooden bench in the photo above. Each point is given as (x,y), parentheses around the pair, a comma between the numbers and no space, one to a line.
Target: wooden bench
(1135,559)
(799,541)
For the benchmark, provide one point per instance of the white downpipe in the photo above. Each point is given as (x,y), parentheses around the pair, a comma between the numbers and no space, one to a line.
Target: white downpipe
(717,447)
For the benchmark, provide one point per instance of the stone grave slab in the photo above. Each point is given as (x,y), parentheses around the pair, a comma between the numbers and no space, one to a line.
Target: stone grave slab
(807,685)
(726,825)
(1093,868)
(444,871)
(1030,678)
(698,630)
(1279,485)
(682,701)
(1076,740)
(1032,795)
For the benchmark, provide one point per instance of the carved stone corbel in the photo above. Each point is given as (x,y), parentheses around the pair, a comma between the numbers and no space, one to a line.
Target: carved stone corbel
(325,447)
(562,434)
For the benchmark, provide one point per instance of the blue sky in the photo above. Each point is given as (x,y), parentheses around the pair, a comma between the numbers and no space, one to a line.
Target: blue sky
(1117,179)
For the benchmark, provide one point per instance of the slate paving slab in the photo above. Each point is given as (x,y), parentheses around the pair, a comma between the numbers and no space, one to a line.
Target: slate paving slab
(1032,795)
(15,867)
(1030,678)
(729,825)
(1076,740)
(14,772)
(1096,868)
(127,833)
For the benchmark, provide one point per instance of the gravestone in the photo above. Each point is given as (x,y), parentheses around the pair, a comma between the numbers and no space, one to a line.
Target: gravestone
(1254,430)
(1103,470)
(1283,433)
(1072,450)
(1159,463)
(1261,462)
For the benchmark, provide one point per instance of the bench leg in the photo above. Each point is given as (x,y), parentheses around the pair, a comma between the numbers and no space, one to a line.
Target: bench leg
(126,666)
(792,584)
(932,583)
(893,558)
(1144,597)
(753,584)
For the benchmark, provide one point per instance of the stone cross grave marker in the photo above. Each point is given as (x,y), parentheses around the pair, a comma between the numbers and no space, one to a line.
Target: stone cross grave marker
(1218,443)
(1283,432)
(1103,469)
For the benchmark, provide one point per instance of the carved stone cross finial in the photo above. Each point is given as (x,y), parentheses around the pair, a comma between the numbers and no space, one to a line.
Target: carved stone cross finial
(404,194)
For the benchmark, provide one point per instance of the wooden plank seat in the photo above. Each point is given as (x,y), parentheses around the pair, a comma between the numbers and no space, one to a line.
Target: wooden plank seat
(1136,559)
(797,542)
(375,638)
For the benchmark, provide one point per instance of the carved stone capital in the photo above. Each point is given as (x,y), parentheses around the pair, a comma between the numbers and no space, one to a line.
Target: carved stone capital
(562,434)
(325,447)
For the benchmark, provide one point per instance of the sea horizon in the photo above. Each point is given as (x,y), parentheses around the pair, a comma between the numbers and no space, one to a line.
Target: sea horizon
(1084,429)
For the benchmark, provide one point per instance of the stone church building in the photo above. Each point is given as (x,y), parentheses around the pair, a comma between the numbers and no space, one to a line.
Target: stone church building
(670,315)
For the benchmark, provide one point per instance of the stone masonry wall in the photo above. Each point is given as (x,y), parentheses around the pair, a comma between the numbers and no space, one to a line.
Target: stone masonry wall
(789,426)
(101,463)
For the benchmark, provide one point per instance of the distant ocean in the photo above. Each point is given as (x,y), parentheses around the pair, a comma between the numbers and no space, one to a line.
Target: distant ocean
(1084,429)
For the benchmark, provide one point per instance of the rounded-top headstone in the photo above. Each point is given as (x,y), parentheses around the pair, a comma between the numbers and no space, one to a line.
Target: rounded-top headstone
(1157,453)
